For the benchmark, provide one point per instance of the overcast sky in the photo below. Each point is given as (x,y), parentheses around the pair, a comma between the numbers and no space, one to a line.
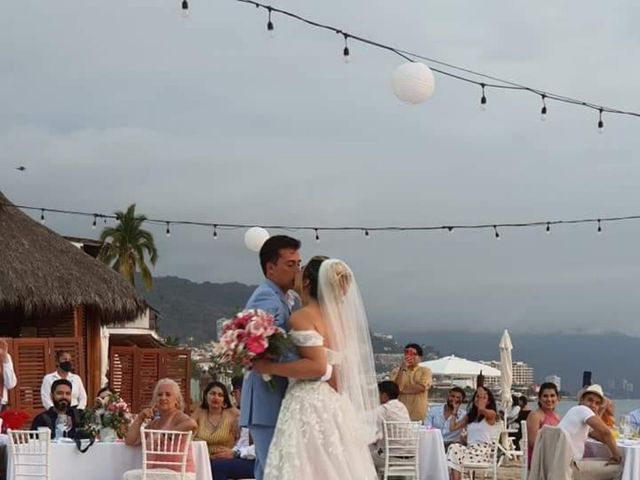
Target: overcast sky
(110,103)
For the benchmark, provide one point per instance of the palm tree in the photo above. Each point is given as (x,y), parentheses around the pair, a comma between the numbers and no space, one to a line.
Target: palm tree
(125,245)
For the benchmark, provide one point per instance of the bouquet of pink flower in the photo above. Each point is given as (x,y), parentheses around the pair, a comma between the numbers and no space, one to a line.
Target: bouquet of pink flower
(250,335)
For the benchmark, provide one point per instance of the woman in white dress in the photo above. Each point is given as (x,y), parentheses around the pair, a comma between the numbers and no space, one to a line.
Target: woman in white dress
(328,415)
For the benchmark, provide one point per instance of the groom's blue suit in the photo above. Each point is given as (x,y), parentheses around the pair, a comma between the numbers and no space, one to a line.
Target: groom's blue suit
(260,404)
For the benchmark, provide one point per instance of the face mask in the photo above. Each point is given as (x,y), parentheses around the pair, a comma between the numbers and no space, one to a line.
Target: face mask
(66,366)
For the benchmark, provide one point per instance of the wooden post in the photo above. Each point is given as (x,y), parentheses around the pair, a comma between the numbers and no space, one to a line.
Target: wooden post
(92,355)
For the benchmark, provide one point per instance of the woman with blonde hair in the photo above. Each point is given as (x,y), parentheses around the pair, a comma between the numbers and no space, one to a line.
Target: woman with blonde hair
(168,403)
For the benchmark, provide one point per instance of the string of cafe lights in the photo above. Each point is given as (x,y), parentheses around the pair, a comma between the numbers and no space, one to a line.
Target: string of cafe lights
(366,231)
(444,68)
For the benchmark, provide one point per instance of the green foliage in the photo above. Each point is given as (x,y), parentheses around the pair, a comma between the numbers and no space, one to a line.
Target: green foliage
(126,246)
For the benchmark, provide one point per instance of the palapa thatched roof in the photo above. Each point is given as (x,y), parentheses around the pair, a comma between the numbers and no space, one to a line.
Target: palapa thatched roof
(42,273)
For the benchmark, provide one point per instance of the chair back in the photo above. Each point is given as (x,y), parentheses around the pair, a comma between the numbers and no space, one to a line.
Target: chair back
(401,448)
(552,455)
(165,453)
(30,452)
(524,447)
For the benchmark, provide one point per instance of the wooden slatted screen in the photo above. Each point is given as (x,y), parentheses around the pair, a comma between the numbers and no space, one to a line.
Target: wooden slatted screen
(122,377)
(176,364)
(33,358)
(134,371)
(30,364)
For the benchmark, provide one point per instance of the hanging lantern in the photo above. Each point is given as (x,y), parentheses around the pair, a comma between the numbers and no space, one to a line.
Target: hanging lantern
(255,237)
(413,82)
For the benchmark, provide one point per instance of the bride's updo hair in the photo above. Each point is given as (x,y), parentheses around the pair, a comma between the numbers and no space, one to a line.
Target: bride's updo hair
(311,272)
(340,277)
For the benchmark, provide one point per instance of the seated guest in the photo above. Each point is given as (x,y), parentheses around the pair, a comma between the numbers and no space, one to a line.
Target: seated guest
(481,423)
(389,410)
(544,415)
(240,463)
(634,418)
(511,415)
(61,417)
(525,410)
(103,396)
(167,401)
(7,374)
(414,382)
(583,421)
(440,416)
(64,368)
(217,421)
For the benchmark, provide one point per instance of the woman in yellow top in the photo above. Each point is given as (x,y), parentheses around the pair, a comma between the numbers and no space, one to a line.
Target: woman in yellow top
(414,382)
(217,421)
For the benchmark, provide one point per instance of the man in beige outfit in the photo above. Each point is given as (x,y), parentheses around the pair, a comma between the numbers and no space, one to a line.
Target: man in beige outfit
(414,382)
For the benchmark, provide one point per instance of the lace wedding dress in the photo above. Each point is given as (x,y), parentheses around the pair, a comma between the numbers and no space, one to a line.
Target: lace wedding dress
(317,435)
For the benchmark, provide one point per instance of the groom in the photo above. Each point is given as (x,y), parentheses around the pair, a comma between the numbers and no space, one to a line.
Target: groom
(280,262)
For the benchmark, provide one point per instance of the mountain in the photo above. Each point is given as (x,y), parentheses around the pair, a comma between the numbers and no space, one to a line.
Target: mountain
(612,357)
(188,309)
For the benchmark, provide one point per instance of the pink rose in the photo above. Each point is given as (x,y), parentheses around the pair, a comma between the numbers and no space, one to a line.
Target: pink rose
(257,345)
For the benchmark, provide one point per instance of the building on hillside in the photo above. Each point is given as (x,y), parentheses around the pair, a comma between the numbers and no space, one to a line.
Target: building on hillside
(53,296)
(522,374)
(555,379)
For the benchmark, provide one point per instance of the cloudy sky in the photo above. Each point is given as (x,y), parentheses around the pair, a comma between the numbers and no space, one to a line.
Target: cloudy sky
(206,118)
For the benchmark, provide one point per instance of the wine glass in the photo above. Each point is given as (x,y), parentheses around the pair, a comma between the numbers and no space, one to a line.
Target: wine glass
(623,424)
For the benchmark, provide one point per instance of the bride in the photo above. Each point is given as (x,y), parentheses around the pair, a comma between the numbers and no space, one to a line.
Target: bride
(328,415)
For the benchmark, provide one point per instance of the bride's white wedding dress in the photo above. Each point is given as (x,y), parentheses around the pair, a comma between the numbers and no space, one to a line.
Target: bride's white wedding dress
(317,435)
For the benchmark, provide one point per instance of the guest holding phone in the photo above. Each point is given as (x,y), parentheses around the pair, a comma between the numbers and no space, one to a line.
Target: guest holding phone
(414,382)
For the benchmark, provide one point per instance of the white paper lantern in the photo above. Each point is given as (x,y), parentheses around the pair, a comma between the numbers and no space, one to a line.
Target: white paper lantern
(413,82)
(255,237)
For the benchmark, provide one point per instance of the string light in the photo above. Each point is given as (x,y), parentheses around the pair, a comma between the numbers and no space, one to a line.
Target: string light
(270,24)
(168,231)
(543,111)
(600,122)
(317,235)
(483,99)
(446,68)
(345,51)
(367,231)
(495,229)
(95,219)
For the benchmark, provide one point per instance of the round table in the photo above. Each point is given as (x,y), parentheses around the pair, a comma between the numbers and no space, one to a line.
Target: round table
(630,450)
(431,457)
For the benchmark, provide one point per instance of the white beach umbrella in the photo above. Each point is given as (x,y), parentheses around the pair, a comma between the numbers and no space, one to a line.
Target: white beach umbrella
(453,366)
(506,370)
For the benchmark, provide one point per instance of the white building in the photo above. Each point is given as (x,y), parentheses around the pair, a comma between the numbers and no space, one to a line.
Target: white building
(555,379)
(522,374)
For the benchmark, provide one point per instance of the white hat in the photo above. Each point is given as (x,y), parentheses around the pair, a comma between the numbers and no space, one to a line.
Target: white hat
(595,388)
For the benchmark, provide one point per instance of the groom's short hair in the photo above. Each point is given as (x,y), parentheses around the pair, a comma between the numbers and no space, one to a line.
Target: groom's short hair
(270,251)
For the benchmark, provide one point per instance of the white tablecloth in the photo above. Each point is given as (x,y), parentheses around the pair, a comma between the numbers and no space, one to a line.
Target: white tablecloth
(432,459)
(107,461)
(630,451)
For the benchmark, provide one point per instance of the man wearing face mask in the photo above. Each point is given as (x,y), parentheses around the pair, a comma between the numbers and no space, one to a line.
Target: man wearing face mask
(60,416)
(63,370)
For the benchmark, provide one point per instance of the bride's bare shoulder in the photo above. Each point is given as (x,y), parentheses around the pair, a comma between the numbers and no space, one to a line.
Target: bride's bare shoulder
(306,318)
